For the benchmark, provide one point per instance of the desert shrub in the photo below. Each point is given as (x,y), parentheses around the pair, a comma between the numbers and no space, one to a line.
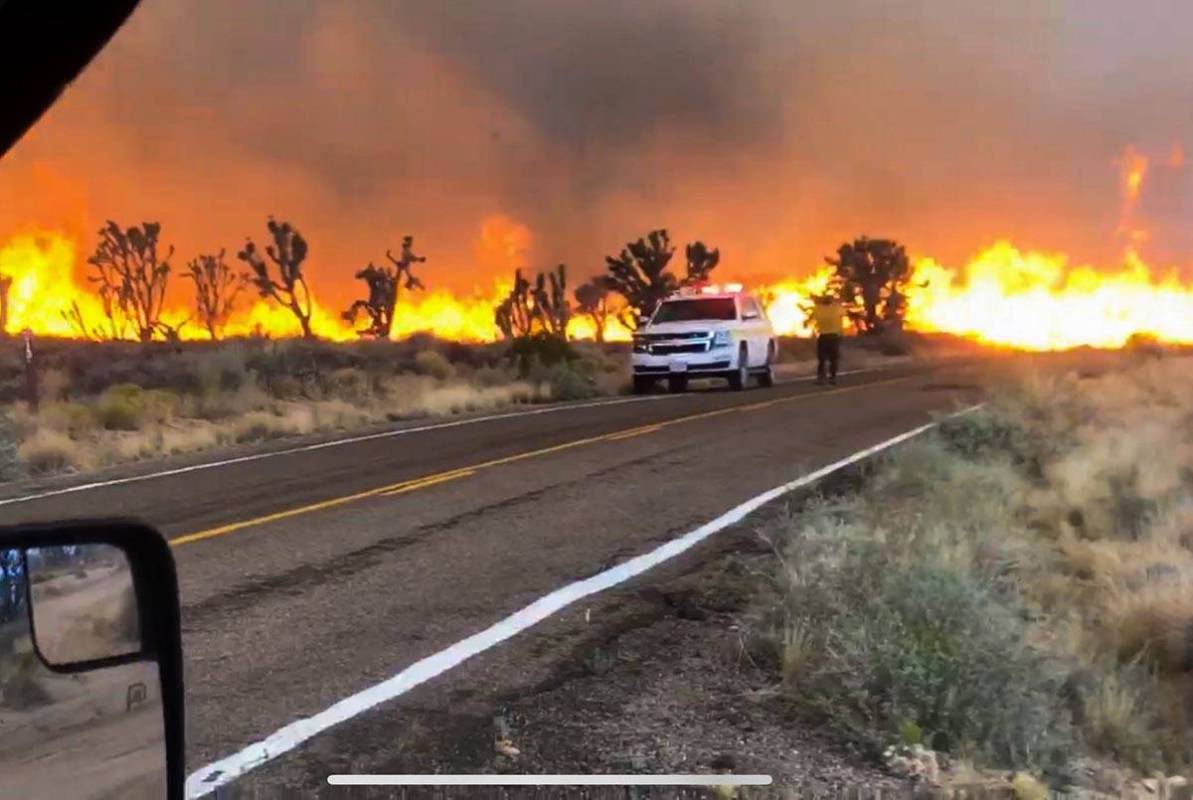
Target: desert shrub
(349,383)
(984,434)
(289,368)
(159,405)
(929,648)
(1060,516)
(569,382)
(221,370)
(75,419)
(11,467)
(461,354)
(48,451)
(455,398)
(284,386)
(119,408)
(433,363)
(128,407)
(1116,707)
(12,387)
(540,348)
(54,384)
(264,425)
(338,414)
(491,375)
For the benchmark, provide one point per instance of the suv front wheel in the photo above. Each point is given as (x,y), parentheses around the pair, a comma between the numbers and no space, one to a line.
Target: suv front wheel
(739,377)
(766,378)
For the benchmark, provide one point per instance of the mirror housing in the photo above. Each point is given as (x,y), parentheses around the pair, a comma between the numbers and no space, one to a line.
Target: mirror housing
(154,584)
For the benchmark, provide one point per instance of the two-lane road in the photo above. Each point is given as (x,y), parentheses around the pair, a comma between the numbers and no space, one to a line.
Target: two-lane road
(312,573)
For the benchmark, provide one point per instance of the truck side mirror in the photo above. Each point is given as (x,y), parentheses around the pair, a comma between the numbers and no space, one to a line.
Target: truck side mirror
(91,698)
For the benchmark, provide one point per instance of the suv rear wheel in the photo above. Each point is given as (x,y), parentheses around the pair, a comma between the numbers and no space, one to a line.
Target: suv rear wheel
(738,378)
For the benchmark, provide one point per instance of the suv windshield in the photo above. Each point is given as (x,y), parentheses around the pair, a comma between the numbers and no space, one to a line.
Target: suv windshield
(702,308)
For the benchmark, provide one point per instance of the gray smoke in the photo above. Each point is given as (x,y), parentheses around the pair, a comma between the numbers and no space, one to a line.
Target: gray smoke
(770,128)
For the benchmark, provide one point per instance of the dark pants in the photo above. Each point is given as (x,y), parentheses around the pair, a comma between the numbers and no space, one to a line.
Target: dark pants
(828,355)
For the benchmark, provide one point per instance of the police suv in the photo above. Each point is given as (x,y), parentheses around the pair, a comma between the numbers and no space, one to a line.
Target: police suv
(705,332)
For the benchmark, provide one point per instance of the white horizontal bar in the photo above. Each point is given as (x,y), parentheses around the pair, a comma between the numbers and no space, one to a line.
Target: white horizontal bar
(550,780)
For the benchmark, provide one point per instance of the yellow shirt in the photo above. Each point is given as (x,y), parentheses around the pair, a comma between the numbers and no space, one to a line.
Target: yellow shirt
(829,318)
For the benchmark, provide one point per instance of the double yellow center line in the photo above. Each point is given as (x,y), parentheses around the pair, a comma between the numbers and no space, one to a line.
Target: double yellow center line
(433,479)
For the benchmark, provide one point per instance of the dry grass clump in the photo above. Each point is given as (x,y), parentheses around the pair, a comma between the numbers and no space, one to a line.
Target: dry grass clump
(48,451)
(111,403)
(1017,585)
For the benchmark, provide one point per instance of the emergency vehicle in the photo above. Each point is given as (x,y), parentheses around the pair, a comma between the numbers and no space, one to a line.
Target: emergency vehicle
(705,332)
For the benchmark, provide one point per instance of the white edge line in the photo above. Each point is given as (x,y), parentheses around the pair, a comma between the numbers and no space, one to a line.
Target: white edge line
(219,773)
(549,409)
(691,779)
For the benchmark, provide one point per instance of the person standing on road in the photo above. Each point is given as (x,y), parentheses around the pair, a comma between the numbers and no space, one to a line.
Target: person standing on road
(828,317)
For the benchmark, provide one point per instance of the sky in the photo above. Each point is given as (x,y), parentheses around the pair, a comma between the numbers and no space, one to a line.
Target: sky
(556,130)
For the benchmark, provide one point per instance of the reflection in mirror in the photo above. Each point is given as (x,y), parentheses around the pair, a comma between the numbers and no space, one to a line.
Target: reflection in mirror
(83,601)
(94,734)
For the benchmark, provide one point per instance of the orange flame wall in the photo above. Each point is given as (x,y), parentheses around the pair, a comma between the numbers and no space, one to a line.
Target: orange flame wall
(1002,296)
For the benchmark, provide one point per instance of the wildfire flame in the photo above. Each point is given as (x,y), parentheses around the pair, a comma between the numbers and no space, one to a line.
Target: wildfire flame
(46,289)
(1003,296)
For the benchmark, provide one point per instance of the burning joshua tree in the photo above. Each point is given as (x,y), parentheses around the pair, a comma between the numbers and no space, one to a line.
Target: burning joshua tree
(539,308)
(872,277)
(287,253)
(639,273)
(130,276)
(514,315)
(384,284)
(551,307)
(592,301)
(216,290)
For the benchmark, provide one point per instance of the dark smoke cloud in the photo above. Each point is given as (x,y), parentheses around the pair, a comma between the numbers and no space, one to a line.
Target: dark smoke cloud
(608,74)
(771,128)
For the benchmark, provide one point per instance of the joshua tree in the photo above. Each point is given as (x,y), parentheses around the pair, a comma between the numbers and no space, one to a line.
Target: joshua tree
(515,314)
(551,307)
(287,253)
(539,308)
(130,276)
(701,262)
(639,273)
(216,290)
(871,278)
(592,300)
(384,284)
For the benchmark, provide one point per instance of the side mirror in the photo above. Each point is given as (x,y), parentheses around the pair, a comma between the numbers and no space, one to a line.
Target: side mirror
(91,699)
(749,315)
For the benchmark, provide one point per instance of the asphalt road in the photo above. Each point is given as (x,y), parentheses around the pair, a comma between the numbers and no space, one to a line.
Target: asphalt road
(311,574)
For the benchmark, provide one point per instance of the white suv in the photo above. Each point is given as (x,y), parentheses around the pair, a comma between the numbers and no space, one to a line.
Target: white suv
(710,332)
